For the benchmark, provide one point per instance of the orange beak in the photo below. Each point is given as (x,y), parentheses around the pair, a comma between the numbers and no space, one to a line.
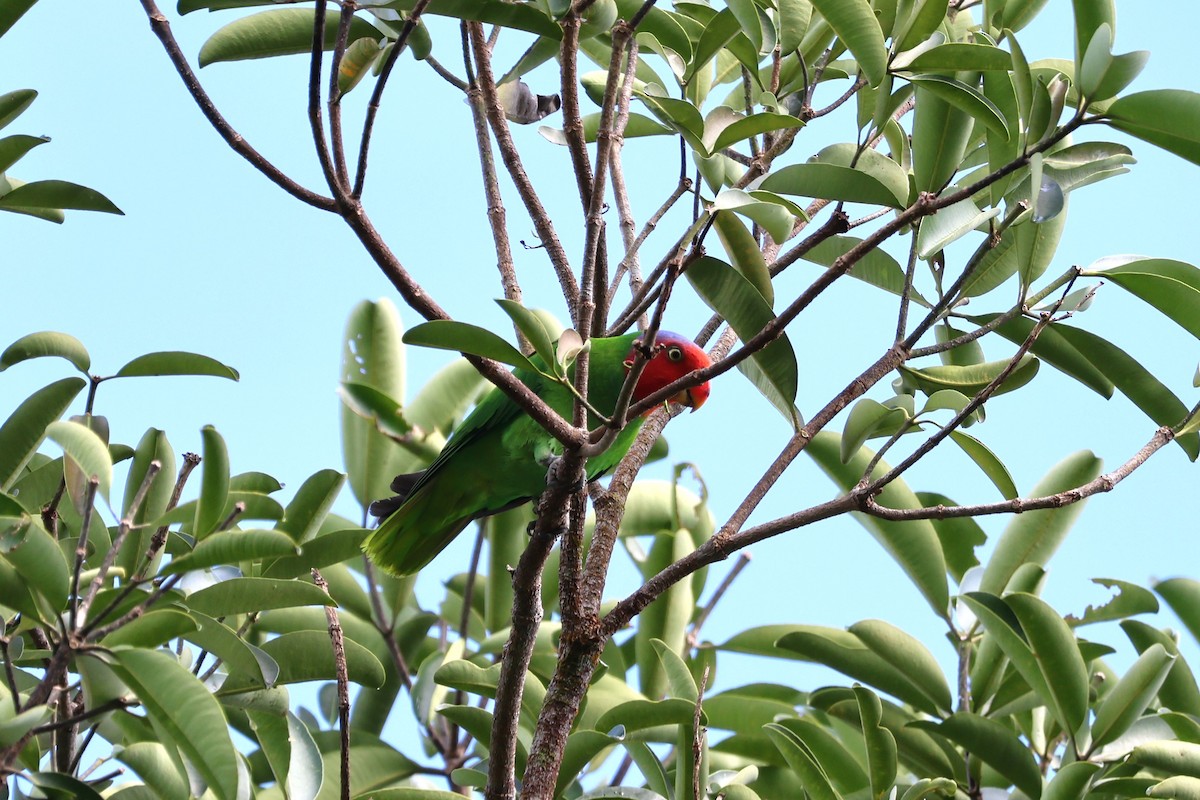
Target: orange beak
(693,398)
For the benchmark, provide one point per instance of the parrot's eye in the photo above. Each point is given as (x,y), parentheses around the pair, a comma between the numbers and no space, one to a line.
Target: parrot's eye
(674,353)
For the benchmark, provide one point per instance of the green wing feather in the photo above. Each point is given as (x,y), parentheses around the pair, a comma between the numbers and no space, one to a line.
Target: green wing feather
(490,464)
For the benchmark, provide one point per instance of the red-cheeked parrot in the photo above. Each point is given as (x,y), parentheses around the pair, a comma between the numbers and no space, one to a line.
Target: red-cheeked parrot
(498,456)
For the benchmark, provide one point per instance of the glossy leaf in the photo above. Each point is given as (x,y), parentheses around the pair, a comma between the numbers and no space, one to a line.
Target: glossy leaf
(1173,758)
(46,344)
(176,363)
(13,103)
(154,763)
(1034,536)
(955,56)
(1179,690)
(308,656)
(876,267)
(987,461)
(1171,287)
(214,483)
(802,762)
(1168,118)
(248,667)
(291,752)
(964,98)
(951,224)
(913,544)
(679,115)
(467,339)
(279,32)
(1130,599)
(1053,645)
(973,379)
(856,26)
(246,595)
(39,562)
(728,293)
(53,194)
(1055,350)
(846,653)
(753,125)
(744,253)
(22,432)
(232,547)
(1071,781)
(680,682)
(183,709)
(87,449)
(1135,382)
(995,744)
(304,515)
(909,655)
(152,629)
(1183,596)
(373,358)
(1126,701)
(940,134)
(832,182)
(493,12)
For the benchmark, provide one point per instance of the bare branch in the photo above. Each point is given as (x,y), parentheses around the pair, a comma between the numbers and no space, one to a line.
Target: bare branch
(162,29)
(343,683)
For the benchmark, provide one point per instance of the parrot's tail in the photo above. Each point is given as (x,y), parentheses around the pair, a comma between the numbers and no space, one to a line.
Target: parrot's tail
(409,539)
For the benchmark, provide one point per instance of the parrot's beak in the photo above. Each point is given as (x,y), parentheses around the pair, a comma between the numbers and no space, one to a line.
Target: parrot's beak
(693,398)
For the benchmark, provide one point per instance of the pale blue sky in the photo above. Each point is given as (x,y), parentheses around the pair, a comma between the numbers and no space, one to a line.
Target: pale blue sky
(211,257)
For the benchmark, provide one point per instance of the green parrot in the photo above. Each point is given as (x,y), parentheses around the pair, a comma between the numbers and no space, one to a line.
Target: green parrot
(498,456)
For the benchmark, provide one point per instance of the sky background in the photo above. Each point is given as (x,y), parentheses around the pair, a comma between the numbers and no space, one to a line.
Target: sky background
(211,257)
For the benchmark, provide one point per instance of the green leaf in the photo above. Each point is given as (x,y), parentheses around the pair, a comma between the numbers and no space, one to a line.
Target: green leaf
(38,560)
(987,461)
(1171,287)
(1168,118)
(908,654)
(1135,382)
(87,449)
(304,515)
(753,125)
(880,744)
(46,344)
(51,195)
(848,654)
(532,328)
(1057,653)
(959,536)
(1126,701)
(1173,758)
(1183,596)
(1130,599)
(951,224)
(638,715)
(158,767)
(308,656)
(680,682)
(876,267)
(1071,781)
(667,617)
(728,293)
(856,26)
(63,787)
(679,115)
(1178,787)
(291,752)
(22,432)
(971,380)
(467,339)
(183,709)
(13,103)
(373,358)
(278,32)
(964,98)
(744,253)
(1034,536)
(152,629)
(995,744)
(176,363)
(913,544)
(832,182)
(868,419)
(246,595)
(873,163)
(955,56)
(492,12)
(940,134)
(803,763)
(775,215)
(232,547)
(247,666)
(214,483)
(1055,350)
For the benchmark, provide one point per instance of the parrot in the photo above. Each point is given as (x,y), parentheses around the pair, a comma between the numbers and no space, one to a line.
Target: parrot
(498,457)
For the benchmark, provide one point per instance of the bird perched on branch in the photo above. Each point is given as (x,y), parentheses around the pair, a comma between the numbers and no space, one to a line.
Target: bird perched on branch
(498,456)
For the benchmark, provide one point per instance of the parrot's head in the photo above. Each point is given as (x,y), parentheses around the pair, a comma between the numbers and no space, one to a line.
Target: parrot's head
(674,356)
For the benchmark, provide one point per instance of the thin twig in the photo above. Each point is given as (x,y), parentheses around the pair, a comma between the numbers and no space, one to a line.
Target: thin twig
(162,29)
(81,551)
(742,560)
(343,683)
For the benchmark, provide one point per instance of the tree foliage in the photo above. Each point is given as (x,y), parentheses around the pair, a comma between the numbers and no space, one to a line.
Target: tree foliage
(165,630)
